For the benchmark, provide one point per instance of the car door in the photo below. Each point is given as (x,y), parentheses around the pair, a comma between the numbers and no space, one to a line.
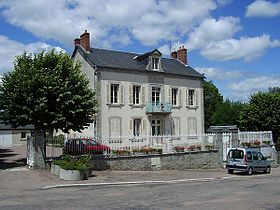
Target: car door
(261,161)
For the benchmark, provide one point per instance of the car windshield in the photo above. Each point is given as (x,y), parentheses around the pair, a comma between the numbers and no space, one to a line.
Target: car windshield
(92,142)
(236,154)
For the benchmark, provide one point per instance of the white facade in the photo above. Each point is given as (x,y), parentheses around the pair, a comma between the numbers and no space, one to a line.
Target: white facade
(144,103)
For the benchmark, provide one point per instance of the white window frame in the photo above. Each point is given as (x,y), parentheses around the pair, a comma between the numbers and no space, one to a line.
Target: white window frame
(114,94)
(155,63)
(192,99)
(156,94)
(175,96)
(137,126)
(136,94)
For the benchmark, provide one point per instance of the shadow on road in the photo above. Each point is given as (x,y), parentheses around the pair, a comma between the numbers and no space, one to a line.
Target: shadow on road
(10,159)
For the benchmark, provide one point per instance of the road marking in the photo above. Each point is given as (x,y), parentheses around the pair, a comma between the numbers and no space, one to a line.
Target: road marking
(135,182)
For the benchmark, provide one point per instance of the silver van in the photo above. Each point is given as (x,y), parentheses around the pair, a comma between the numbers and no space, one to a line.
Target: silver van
(246,160)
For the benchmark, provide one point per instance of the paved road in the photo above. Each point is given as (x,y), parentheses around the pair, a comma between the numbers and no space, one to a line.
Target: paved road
(260,191)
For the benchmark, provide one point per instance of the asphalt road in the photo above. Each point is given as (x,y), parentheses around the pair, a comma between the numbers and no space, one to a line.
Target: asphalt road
(261,191)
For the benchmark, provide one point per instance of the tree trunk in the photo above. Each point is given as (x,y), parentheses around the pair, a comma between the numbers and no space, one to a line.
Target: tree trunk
(39,146)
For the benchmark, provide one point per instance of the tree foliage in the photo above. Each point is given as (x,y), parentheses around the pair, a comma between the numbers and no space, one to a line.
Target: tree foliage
(212,101)
(47,90)
(263,112)
(228,113)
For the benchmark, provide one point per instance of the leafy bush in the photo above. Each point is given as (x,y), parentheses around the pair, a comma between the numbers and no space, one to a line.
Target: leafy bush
(74,163)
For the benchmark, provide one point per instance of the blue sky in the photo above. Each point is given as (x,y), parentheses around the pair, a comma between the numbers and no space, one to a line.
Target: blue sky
(235,43)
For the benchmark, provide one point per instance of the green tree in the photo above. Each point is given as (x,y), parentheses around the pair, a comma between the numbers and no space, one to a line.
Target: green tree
(47,90)
(263,112)
(212,101)
(228,113)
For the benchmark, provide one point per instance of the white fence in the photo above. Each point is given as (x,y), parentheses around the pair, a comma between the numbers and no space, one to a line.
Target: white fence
(255,137)
(167,143)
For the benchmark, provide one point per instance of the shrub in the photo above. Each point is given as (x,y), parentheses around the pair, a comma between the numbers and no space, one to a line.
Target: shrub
(74,163)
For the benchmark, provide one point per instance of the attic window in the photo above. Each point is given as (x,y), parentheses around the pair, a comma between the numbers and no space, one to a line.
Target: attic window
(155,63)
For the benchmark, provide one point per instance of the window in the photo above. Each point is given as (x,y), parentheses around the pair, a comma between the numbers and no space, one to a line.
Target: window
(174,96)
(115,127)
(191,97)
(23,135)
(236,154)
(136,94)
(156,127)
(255,156)
(155,63)
(114,93)
(249,155)
(156,95)
(136,127)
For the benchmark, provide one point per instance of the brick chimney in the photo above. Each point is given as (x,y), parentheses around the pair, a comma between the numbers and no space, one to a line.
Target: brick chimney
(182,55)
(173,55)
(85,41)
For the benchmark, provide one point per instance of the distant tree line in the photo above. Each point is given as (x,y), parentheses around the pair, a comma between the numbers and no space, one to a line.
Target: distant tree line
(260,113)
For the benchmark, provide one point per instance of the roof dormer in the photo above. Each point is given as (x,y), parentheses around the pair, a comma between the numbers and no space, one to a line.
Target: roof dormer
(152,59)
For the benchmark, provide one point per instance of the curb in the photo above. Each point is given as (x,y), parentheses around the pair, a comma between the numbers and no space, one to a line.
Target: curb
(135,183)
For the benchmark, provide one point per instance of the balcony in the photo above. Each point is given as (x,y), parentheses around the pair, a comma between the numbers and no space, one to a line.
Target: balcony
(158,108)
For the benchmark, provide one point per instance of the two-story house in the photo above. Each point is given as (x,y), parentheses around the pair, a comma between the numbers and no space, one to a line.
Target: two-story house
(142,94)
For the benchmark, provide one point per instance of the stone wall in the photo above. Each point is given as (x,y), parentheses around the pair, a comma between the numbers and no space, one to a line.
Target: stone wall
(176,161)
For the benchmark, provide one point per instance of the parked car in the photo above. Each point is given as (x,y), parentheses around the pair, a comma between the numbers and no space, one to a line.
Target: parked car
(247,160)
(84,146)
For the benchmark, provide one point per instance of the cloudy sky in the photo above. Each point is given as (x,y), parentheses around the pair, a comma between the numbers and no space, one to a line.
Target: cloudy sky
(236,44)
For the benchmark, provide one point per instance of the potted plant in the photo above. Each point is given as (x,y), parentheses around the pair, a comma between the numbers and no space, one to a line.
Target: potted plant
(179,149)
(74,168)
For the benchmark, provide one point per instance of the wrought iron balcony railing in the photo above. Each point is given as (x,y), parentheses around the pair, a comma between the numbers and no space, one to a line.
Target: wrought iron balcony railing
(164,107)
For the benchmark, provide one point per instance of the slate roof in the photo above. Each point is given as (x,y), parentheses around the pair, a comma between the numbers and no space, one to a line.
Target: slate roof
(126,60)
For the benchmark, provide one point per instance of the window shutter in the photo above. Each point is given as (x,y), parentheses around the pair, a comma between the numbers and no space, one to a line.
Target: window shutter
(196,97)
(131,126)
(170,95)
(187,97)
(130,94)
(143,127)
(180,97)
(121,95)
(143,94)
(162,94)
(108,93)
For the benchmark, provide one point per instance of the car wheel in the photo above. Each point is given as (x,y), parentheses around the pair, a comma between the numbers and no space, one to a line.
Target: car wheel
(230,171)
(250,171)
(267,170)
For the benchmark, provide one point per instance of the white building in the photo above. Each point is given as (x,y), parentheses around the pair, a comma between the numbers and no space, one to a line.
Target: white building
(142,94)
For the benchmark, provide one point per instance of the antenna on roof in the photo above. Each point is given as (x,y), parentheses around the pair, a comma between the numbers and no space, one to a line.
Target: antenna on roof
(170,46)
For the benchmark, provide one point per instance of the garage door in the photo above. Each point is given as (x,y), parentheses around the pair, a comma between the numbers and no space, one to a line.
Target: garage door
(6,139)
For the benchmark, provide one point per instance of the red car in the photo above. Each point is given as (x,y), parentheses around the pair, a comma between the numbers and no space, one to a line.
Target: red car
(85,146)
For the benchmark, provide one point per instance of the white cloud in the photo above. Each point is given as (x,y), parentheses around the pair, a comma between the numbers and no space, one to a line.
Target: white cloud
(262,8)
(247,48)
(9,49)
(149,22)
(241,90)
(212,73)
(211,30)
(255,83)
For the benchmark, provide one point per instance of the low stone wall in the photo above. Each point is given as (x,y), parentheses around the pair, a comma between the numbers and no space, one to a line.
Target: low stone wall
(176,161)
